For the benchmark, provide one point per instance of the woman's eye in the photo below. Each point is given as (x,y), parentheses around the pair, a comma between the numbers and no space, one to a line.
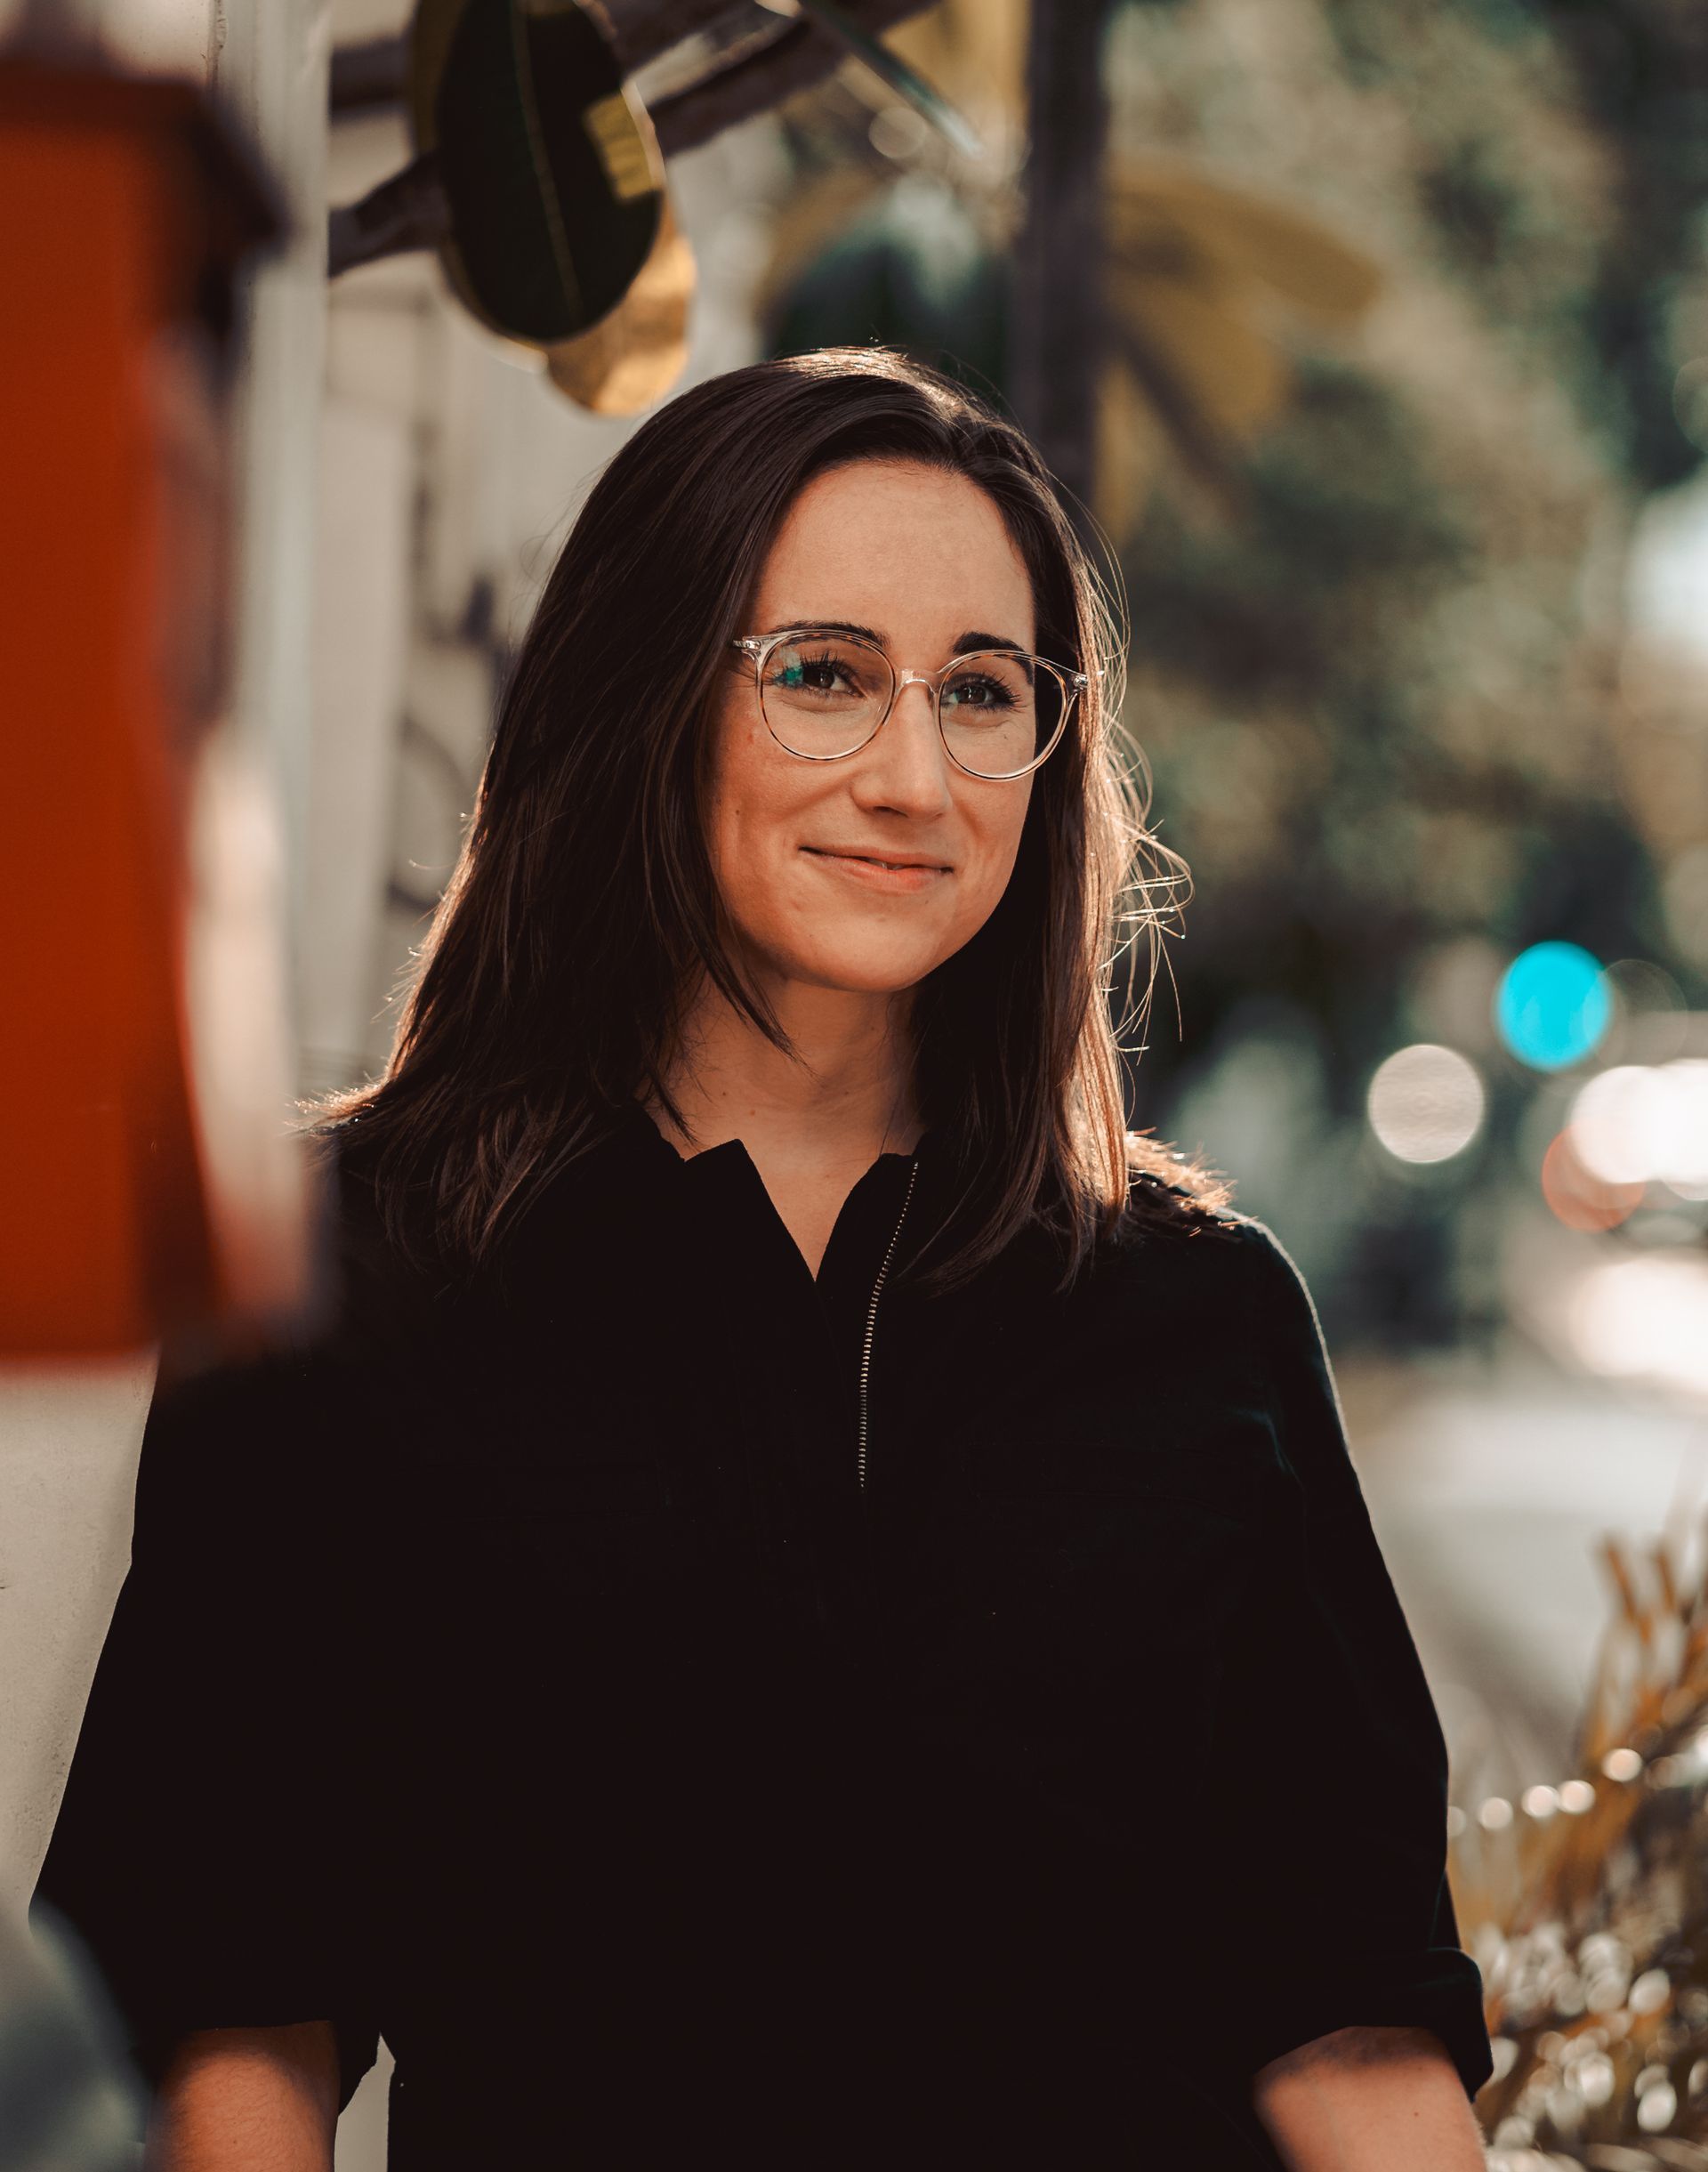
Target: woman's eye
(815,674)
(979,693)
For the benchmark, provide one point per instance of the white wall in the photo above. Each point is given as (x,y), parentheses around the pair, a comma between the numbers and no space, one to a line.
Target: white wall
(67,1466)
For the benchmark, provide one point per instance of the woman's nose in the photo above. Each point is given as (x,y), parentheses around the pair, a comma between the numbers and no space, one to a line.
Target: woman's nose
(907,764)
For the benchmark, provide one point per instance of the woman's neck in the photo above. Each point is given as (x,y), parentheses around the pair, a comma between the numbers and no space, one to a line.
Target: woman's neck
(845,1096)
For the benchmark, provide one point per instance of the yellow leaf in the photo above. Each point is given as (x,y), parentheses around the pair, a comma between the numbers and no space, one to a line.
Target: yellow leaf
(973,50)
(1249,237)
(634,356)
(1230,374)
(1129,442)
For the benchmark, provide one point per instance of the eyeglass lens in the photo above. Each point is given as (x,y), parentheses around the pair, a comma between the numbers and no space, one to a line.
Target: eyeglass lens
(825,696)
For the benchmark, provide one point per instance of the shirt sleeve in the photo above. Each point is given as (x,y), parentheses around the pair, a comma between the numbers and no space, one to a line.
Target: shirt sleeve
(207,1852)
(1332,1906)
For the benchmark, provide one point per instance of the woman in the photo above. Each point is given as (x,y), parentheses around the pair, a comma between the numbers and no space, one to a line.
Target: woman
(809,1599)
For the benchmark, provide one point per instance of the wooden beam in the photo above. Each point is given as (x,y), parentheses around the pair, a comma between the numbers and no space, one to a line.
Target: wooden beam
(1057,336)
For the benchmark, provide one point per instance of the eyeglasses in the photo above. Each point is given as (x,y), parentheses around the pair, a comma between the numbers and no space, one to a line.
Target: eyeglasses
(824,694)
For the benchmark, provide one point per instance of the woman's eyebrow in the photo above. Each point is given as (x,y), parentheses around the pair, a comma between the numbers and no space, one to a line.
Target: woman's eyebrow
(826,626)
(963,644)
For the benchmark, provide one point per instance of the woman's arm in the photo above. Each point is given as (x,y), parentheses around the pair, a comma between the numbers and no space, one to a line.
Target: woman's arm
(247,2100)
(1365,2097)
(1328,1917)
(213,1848)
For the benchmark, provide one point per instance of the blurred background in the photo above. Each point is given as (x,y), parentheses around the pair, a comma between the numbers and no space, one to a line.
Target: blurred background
(1373,337)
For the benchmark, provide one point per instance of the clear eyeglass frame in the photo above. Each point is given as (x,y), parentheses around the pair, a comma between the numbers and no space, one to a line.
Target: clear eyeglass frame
(759,648)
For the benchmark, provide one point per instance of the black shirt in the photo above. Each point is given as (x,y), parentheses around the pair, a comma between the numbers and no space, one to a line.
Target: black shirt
(526,1675)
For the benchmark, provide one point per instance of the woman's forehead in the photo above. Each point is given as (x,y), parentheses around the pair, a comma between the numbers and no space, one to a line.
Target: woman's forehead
(892,546)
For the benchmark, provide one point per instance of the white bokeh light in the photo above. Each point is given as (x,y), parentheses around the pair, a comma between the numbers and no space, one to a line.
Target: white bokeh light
(1426,1102)
(1639,1122)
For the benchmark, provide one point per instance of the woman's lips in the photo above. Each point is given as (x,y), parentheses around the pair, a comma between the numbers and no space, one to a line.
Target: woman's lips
(874,874)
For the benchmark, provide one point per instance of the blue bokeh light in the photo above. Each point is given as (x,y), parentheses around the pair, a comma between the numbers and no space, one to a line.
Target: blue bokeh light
(1553,1005)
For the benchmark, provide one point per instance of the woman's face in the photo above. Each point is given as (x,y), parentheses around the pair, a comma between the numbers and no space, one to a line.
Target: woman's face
(923,559)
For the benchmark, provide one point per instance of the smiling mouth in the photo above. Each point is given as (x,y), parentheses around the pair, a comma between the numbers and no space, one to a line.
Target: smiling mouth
(873,859)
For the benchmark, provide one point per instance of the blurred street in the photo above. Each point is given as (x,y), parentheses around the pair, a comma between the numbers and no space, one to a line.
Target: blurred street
(1491,1484)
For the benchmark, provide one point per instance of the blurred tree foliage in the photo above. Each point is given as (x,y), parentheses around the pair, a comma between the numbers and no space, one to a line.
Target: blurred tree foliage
(1380,699)
(1642,66)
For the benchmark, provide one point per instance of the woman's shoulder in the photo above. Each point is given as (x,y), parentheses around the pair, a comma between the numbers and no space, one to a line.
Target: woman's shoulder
(1166,1187)
(250,1444)
(264,1415)
(1174,1199)
(378,1272)
(1211,1253)
(1221,1299)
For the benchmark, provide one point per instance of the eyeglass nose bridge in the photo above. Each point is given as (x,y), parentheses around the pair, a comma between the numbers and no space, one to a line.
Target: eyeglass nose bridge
(932,680)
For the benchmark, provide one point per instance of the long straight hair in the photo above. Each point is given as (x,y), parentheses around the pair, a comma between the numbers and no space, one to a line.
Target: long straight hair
(552,987)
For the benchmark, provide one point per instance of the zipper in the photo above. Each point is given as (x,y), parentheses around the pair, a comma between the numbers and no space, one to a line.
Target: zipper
(872,1321)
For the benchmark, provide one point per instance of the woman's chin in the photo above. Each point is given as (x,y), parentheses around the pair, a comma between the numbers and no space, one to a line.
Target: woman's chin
(858,969)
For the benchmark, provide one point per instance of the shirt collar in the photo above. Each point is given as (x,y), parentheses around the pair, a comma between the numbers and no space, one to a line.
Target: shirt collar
(635,1126)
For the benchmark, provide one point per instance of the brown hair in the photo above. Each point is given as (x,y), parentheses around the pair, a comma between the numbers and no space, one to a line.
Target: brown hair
(583,910)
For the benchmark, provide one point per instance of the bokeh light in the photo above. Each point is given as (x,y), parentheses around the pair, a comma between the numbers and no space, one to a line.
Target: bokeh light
(1640,986)
(1640,1122)
(1553,1005)
(1425,1102)
(1577,1196)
